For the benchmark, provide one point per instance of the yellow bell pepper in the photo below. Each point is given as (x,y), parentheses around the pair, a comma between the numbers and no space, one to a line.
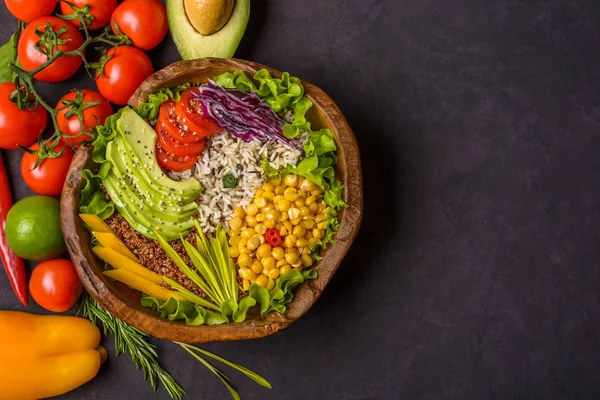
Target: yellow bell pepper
(46,355)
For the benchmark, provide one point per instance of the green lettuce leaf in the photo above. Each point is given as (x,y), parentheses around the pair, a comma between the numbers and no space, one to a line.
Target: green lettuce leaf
(93,200)
(149,109)
(175,309)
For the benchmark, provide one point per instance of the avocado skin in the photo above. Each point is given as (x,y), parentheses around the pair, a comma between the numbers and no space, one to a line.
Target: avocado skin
(149,201)
(223,43)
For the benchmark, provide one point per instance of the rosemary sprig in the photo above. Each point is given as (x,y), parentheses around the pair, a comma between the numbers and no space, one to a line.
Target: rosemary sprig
(133,341)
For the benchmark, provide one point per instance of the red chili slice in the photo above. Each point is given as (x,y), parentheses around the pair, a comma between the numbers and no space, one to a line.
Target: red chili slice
(172,146)
(174,128)
(273,237)
(173,162)
(190,110)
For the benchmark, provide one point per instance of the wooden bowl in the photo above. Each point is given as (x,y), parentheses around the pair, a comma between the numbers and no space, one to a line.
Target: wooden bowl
(124,303)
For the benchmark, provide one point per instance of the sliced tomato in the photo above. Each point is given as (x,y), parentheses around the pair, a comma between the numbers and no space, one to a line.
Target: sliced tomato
(172,146)
(172,126)
(190,110)
(173,162)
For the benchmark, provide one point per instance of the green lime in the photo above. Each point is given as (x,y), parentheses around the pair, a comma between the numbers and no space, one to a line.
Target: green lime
(33,228)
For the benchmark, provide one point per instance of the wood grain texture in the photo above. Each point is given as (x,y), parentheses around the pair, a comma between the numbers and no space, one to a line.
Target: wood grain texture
(124,302)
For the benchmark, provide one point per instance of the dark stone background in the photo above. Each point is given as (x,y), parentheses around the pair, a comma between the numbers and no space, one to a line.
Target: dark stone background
(476,272)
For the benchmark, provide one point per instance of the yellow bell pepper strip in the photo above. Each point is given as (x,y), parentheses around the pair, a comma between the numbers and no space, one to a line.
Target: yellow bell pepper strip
(95,223)
(119,261)
(111,241)
(143,285)
(43,356)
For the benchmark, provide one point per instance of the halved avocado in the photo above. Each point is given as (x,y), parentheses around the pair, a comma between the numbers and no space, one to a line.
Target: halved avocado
(191,44)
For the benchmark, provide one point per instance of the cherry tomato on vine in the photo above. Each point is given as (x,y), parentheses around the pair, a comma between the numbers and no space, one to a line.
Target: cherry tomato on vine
(91,115)
(124,70)
(143,21)
(54,285)
(18,127)
(31,58)
(28,10)
(101,10)
(49,177)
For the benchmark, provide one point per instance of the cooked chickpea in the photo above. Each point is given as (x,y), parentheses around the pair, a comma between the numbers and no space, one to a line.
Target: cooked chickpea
(317,233)
(252,209)
(234,252)
(260,201)
(273,215)
(253,243)
(248,233)
(235,223)
(284,205)
(291,194)
(284,268)
(260,229)
(301,242)
(294,213)
(262,280)
(278,253)
(269,223)
(268,263)
(244,260)
(273,273)
(290,241)
(307,223)
(277,199)
(239,212)
(268,187)
(271,284)
(260,217)
(307,260)
(291,180)
(291,258)
(299,231)
(279,190)
(305,212)
(256,267)
(300,202)
(264,250)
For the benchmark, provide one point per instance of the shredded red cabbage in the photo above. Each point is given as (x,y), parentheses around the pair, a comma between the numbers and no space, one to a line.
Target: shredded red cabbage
(244,115)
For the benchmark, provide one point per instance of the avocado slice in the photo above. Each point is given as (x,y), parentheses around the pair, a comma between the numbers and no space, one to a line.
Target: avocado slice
(191,44)
(141,142)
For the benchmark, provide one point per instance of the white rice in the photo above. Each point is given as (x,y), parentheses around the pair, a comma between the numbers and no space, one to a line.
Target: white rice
(225,154)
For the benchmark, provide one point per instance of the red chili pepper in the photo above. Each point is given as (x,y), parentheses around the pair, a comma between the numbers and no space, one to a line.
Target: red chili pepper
(273,237)
(13,264)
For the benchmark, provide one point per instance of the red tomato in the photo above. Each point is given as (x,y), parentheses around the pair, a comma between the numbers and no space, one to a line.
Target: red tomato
(174,147)
(31,58)
(173,162)
(49,177)
(123,73)
(92,116)
(54,285)
(101,10)
(171,125)
(143,21)
(190,110)
(28,10)
(18,127)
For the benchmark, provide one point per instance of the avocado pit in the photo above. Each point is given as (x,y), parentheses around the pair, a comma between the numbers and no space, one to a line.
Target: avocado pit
(208,16)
